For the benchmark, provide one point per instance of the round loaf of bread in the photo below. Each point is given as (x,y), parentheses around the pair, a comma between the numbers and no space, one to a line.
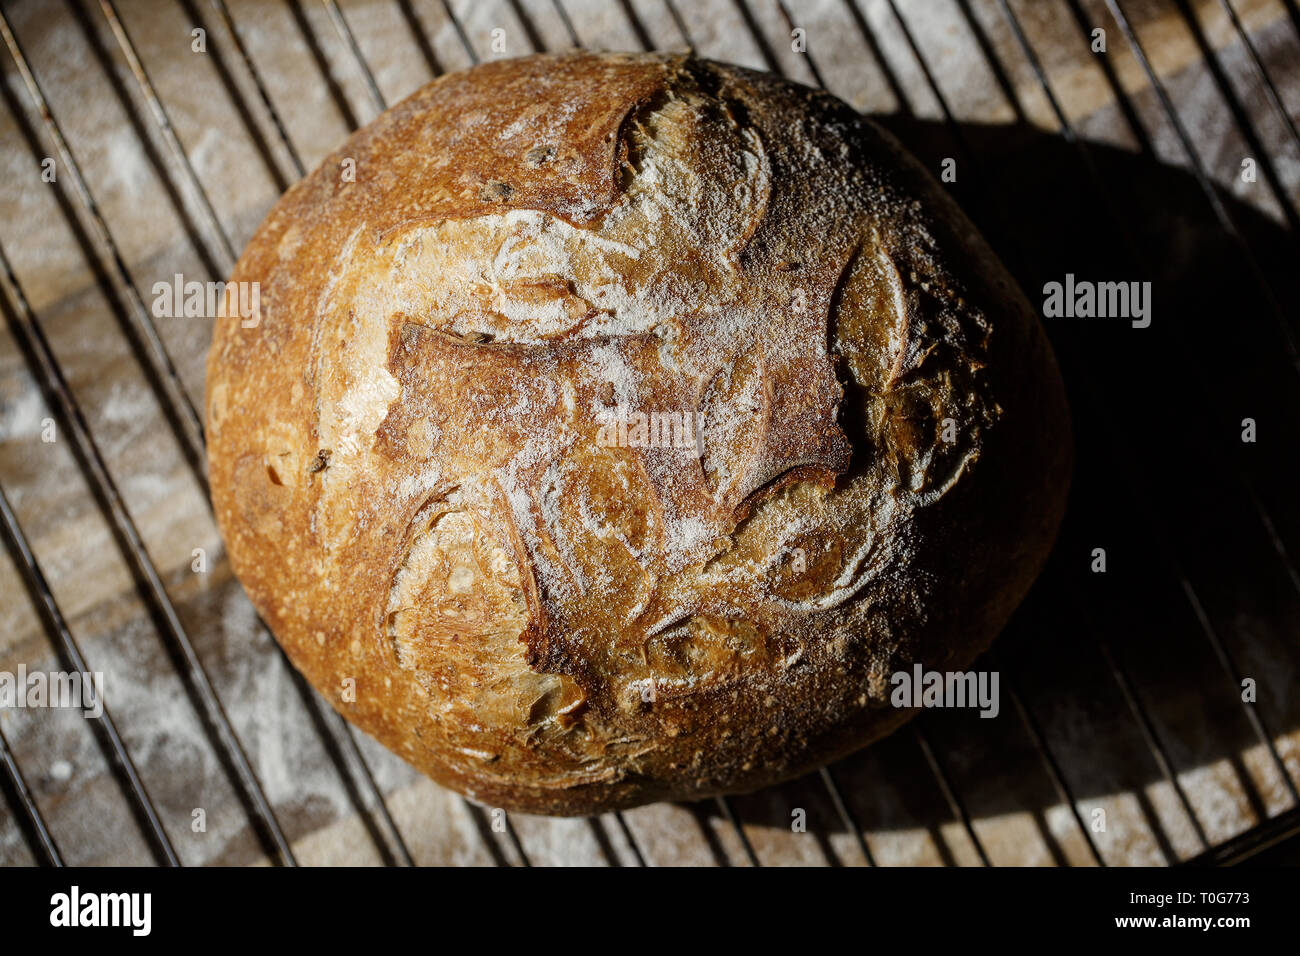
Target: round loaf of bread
(612,427)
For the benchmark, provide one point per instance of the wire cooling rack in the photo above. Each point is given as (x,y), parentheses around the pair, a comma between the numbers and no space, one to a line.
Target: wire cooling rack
(1164,142)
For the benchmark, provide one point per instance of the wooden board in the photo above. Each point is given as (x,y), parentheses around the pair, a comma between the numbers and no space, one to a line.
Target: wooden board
(1121,694)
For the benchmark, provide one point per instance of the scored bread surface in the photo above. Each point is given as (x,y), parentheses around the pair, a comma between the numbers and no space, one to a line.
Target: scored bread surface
(414,472)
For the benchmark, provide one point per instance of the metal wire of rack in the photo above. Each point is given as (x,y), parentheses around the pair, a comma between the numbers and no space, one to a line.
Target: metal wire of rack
(78,205)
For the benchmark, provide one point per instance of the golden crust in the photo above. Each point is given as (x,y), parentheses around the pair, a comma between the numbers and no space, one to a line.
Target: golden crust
(415,470)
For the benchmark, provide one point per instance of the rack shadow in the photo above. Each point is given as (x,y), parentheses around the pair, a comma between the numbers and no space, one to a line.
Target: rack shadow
(1197,595)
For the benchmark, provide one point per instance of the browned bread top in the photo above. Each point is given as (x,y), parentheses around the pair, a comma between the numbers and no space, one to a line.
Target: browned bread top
(622,424)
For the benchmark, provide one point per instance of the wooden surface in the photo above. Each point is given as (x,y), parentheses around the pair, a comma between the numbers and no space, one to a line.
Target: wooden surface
(1127,696)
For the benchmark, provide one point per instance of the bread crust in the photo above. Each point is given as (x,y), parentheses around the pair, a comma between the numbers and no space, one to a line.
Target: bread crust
(409,469)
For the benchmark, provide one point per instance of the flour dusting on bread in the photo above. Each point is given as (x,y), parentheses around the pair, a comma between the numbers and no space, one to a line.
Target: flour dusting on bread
(640,412)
